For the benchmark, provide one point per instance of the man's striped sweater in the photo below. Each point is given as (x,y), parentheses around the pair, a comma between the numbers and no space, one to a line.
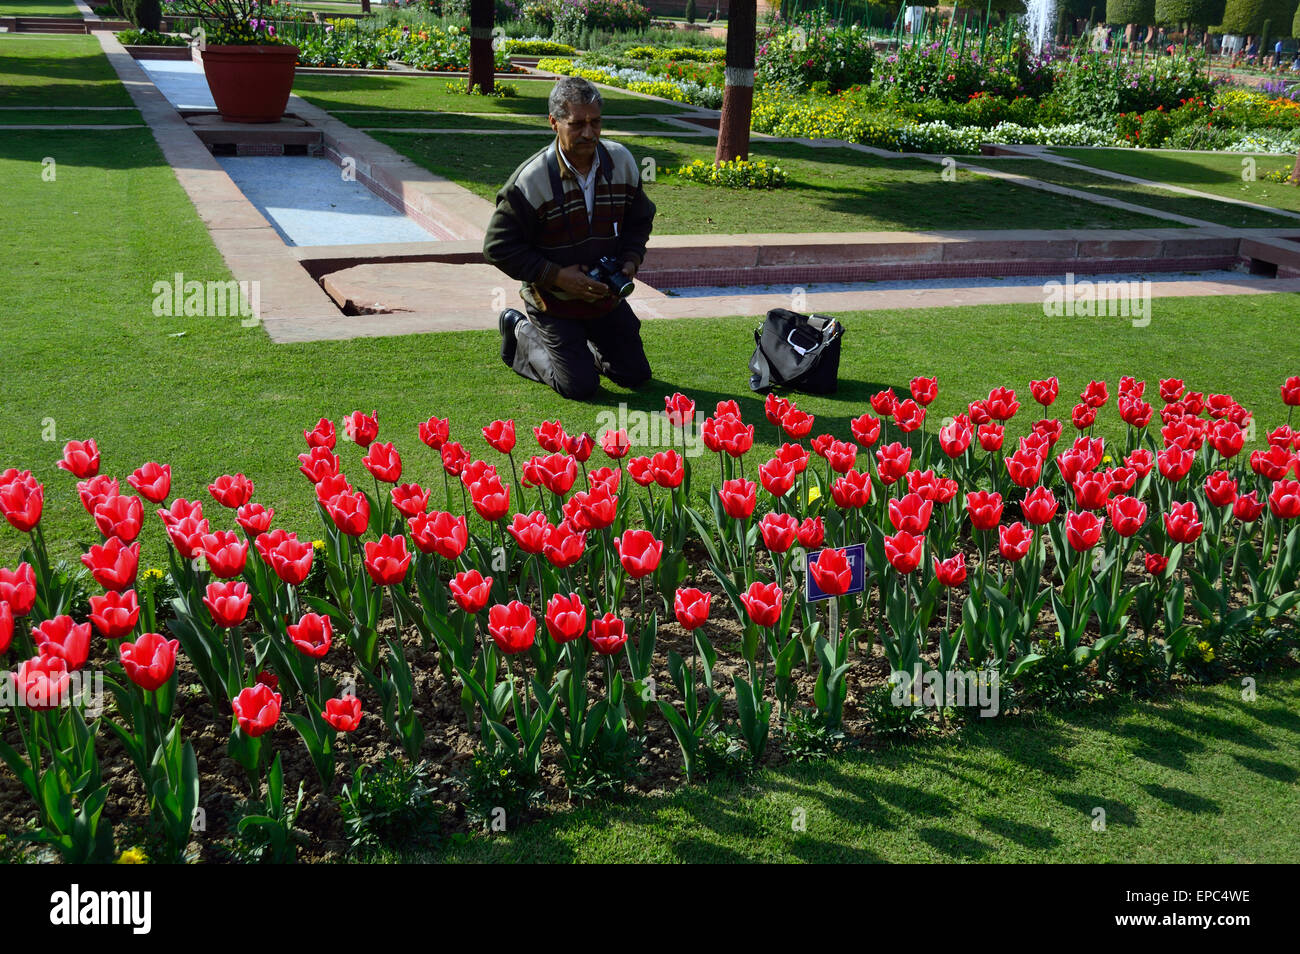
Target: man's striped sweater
(532,235)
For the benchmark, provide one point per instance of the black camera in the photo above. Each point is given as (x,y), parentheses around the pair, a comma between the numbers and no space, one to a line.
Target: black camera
(608,271)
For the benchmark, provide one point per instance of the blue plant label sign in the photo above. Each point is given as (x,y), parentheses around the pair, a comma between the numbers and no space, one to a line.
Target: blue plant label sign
(856,554)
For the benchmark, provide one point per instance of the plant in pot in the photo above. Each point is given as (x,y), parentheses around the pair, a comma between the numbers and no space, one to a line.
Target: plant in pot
(248,66)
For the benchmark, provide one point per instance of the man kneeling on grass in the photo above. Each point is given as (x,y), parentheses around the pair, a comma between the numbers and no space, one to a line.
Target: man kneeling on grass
(568,210)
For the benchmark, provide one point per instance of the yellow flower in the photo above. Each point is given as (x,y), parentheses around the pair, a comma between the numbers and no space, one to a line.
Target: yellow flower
(814,493)
(133,856)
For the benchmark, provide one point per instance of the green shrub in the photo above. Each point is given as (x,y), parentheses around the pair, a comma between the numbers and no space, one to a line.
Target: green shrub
(1056,681)
(390,805)
(146,14)
(1199,13)
(1130,11)
(149,38)
(892,721)
(811,51)
(1148,130)
(1248,16)
(734,174)
(538,48)
(500,90)
(497,782)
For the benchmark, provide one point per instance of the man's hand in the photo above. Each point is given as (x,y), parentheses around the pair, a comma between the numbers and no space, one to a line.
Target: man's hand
(629,269)
(572,281)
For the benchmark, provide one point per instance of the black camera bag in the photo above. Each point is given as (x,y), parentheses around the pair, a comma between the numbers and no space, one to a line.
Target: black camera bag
(797,351)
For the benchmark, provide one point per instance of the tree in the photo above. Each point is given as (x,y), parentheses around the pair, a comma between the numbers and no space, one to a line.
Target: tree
(738,94)
(481,66)
(1130,11)
(146,14)
(690,11)
(1247,17)
(1198,13)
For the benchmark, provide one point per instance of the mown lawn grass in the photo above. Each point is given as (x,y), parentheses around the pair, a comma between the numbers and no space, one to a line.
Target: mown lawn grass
(1219,174)
(537,124)
(57,71)
(831,190)
(1210,210)
(38,8)
(70,117)
(398,93)
(1200,777)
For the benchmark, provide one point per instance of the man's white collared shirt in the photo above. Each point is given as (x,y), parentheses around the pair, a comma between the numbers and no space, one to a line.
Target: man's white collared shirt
(588,182)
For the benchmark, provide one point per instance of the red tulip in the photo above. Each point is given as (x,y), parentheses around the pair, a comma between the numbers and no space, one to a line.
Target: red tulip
(42,683)
(615,444)
(904,551)
(794,455)
(530,531)
(350,513)
(580,446)
(1248,507)
(490,499)
(435,432)
(566,617)
(893,460)
(318,464)
(812,532)
(1175,462)
(322,435)
(410,499)
(639,552)
(911,512)
(734,437)
(6,626)
(779,530)
(564,545)
(1002,404)
(1220,488)
(64,638)
(841,455)
(512,626)
(852,491)
(977,413)
(738,497)
(1071,464)
(114,564)
(1135,412)
(909,416)
(254,518)
(1155,563)
(1082,529)
(884,403)
(387,560)
(149,661)
(668,469)
(231,491)
(1127,515)
(225,553)
(440,533)
(268,679)
(594,510)
(1182,523)
(500,436)
(925,390)
(763,603)
(1130,386)
(1291,392)
(153,482)
(774,408)
(257,709)
(1050,429)
(1283,437)
(990,436)
(360,428)
(1045,392)
(1091,490)
(1141,460)
(343,714)
(476,471)
(954,438)
(608,634)
(609,478)
(1024,467)
(114,614)
(866,429)
(1284,499)
(952,571)
(796,423)
(120,517)
(832,572)
(454,458)
(985,509)
(1272,464)
(691,607)
(1014,541)
(777,477)
(228,603)
(289,557)
(551,436)
(21,503)
(187,536)
(312,635)
(680,410)
(1083,417)
(1171,389)
(81,459)
(1040,506)
(92,492)
(1095,394)
(471,590)
(384,463)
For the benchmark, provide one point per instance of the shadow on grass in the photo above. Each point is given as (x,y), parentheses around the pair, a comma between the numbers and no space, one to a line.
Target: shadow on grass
(80,80)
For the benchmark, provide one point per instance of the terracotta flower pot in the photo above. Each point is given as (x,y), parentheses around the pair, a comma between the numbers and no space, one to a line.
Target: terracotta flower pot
(250,84)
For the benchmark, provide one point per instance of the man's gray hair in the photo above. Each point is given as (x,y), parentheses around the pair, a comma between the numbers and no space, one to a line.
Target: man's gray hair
(572,91)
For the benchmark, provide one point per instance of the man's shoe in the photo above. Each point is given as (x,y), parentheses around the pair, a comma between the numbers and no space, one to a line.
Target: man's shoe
(507,323)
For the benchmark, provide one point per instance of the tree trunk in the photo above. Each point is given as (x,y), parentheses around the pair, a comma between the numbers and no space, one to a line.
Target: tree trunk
(365,6)
(481,15)
(1295,170)
(738,94)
